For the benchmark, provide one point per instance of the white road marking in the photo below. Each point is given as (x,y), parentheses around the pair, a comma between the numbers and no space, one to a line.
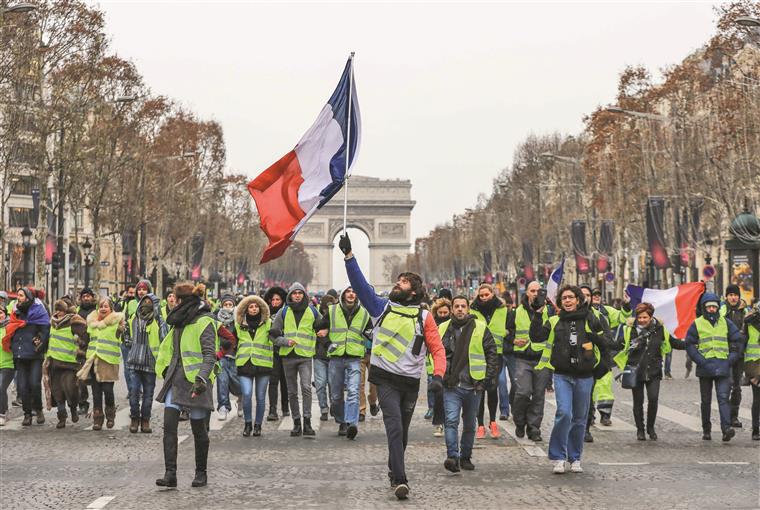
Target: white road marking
(50,417)
(745,414)
(182,438)
(687,421)
(526,444)
(101,502)
(623,463)
(122,418)
(707,463)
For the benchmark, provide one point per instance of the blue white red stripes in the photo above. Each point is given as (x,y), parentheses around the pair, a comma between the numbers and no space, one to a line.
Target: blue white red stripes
(675,307)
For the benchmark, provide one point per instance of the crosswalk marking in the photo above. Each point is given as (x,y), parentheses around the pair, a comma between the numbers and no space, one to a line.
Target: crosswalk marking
(526,444)
(745,414)
(618,425)
(687,421)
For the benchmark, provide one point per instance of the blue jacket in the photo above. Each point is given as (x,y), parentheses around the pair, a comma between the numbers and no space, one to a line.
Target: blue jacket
(715,367)
(374,304)
(37,326)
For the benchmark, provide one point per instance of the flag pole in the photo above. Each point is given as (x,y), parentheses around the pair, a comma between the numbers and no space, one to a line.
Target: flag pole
(348,140)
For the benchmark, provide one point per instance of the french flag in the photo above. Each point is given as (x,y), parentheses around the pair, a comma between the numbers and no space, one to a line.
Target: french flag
(675,307)
(552,286)
(290,191)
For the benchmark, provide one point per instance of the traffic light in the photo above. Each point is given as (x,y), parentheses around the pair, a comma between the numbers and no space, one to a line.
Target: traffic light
(55,263)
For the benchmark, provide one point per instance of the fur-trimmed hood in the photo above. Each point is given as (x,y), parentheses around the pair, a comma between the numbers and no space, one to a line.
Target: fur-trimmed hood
(243,306)
(111,319)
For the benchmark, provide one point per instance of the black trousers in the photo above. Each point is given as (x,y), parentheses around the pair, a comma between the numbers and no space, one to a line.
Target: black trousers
(101,391)
(652,388)
(398,408)
(755,406)
(736,389)
(29,384)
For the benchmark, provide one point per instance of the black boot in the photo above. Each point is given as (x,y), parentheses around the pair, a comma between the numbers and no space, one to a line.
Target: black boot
(200,436)
(756,434)
(296,428)
(171,419)
(256,430)
(272,414)
(307,430)
(247,429)
(652,433)
(587,437)
(640,435)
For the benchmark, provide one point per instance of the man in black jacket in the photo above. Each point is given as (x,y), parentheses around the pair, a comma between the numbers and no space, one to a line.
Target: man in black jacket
(733,310)
(472,364)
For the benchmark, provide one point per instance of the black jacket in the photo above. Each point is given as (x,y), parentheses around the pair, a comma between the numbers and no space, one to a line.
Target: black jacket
(456,341)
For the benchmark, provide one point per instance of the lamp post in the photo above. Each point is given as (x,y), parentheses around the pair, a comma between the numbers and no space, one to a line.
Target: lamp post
(26,236)
(178,265)
(154,259)
(87,248)
(125,259)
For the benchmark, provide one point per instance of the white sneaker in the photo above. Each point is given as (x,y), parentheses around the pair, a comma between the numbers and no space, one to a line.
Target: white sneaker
(438,431)
(3,419)
(222,414)
(559,467)
(575,467)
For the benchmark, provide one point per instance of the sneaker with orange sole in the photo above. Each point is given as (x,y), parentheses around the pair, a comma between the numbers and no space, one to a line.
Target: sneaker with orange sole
(481,433)
(494,430)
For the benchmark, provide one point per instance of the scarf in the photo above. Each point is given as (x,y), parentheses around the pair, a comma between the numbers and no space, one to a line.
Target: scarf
(253,321)
(184,313)
(225,316)
(487,308)
(146,311)
(36,314)
(581,313)
(62,321)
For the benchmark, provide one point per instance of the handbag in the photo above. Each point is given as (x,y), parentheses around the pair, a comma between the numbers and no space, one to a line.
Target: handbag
(628,378)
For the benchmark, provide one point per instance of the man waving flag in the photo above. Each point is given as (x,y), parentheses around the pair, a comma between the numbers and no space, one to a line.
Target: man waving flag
(290,191)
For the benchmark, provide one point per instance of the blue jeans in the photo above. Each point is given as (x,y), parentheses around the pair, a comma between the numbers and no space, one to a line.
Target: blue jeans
(573,396)
(223,382)
(460,402)
(196,413)
(320,382)
(146,382)
(668,362)
(503,391)
(510,364)
(722,391)
(128,372)
(345,372)
(246,388)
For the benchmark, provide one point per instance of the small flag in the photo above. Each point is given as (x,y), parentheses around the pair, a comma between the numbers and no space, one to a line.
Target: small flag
(552,286)
(290,191)
(675,307)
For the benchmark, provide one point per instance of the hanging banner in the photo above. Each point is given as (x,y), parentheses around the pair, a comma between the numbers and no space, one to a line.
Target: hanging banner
(682,238)
(656,232)
(50,240)
(605,246)
(242,270)
(578,238)
(527,250)
(196,256)
(128,248)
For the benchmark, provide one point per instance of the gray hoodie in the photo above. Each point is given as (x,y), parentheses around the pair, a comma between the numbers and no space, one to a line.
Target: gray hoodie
(276,333)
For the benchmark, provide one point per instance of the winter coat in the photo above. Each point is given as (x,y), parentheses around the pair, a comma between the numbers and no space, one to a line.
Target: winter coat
(249,369)
(37,327)
(277,332)
(79,329)
(102,370)
(456,341)
(349,314)
(714,367)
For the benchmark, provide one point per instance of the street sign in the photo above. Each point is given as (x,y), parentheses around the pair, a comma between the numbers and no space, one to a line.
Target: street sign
(521,281)
(104,263)
(708,271)
(609,277)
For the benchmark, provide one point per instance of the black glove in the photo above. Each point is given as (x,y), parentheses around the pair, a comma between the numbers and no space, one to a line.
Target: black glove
(345,244)
(436,384)
(198,387)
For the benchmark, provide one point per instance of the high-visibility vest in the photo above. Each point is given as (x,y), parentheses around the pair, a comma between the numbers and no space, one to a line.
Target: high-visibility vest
(546,355)
(6,358)
(104,344)
(476,355)
(522,329)
(752,353)
(154,335)
(429,364)
(258,349)
(395,334)
(497,326)
(303,334)
(131,308)
(713,340)
(62,346)
(190,348)
(347,338)
(621,358)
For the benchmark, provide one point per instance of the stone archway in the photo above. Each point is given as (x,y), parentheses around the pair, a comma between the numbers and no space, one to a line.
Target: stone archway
(381,208)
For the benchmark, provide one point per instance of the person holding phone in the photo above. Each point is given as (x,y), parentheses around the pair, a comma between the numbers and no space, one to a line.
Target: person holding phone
(529,383)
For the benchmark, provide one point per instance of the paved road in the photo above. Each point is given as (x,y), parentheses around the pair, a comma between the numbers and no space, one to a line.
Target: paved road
(41,467)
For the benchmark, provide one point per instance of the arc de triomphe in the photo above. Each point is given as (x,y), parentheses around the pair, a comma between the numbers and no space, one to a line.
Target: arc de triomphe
(381,208)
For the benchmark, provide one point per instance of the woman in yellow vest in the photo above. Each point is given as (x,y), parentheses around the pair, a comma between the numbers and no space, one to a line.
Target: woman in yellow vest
(187,361)
(752,364)
(105,328)
(254,358)
(6,370)
(68,331)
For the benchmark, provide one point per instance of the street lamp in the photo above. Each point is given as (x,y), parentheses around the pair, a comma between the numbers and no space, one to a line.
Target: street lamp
(177,264)
(748,21)
(125,259)
(87,248)
(26,237)
(22,7)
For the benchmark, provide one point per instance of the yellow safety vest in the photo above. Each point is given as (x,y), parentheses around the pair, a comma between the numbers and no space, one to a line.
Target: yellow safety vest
(621,358)
(190,349)
(258,349)
(6,358)
(154,335)
(62,346)
(476,354)
(104,344)
(497,326)
(348,339)
(546,355)
(522,329)
(713,340)
(303,334)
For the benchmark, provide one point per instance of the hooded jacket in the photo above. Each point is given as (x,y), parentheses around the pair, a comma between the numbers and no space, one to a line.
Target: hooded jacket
(714,367)
(277,332)
(275,291)
(249,369)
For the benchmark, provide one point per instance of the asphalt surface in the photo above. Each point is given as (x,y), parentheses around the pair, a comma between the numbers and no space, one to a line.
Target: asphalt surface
(77,468)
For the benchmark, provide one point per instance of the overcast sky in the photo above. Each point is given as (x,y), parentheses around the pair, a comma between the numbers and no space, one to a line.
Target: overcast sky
(447,91)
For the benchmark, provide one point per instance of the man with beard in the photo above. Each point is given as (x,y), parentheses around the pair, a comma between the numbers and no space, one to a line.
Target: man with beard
(275,298)
(403,334)
(293,331)
(530,384)
(471,361)
(86,307)
(489,308)
(733,309)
